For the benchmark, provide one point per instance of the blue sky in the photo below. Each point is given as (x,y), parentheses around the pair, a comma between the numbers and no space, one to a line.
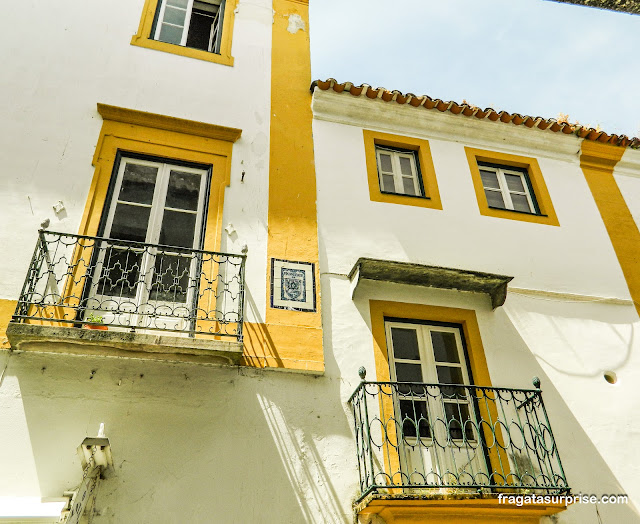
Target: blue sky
(527,56)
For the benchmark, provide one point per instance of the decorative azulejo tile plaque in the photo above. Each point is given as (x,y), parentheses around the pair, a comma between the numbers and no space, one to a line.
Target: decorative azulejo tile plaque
(293,285)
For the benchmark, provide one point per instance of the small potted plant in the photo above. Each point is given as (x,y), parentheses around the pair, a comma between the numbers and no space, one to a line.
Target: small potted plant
(96,322)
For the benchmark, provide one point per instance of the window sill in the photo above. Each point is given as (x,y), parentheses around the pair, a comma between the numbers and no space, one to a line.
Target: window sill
(182,51)
(516,211)
(123,344)
(389,193)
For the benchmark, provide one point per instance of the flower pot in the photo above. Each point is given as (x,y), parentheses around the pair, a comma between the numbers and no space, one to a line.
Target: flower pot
(100,327)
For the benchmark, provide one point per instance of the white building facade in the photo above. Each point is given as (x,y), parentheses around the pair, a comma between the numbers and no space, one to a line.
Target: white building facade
(239,240)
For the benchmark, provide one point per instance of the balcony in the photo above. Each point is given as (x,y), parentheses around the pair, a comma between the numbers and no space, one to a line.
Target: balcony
(445,446)
(92,295)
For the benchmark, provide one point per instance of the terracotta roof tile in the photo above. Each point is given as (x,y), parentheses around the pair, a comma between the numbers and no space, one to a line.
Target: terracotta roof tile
(469,110)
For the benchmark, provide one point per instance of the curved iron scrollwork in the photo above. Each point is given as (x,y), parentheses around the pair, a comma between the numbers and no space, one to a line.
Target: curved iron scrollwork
(75,279)
(416,436)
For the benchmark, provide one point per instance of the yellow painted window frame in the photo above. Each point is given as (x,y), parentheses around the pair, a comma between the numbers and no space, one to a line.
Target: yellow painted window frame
(143,37)
(132,131)
(466,318)
(540,192)
(431,198)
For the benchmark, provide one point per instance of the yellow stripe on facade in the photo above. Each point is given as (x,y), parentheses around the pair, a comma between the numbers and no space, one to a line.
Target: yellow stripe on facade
(7,308)
(294,337)
(598,162)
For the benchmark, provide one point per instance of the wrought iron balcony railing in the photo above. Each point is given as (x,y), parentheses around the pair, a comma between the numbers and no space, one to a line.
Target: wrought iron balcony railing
(75,280)
(411,437)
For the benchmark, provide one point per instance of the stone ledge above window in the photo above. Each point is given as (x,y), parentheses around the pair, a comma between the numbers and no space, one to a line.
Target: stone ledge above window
(431,276)
(123,344)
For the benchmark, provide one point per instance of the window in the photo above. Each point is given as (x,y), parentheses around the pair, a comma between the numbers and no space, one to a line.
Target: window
(199,29)
(400,170)
(507,188)
(153,203)
(190,23)
(433,354)
(510,186)
(434,411)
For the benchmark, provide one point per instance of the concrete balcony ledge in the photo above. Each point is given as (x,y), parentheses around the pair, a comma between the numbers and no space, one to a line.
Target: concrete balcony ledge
(122,344)
(457,506)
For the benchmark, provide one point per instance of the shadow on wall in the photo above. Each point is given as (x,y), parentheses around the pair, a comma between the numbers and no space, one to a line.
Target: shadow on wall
(568,345)
(190,443)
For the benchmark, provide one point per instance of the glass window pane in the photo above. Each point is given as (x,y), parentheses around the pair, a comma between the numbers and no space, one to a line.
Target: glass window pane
(171,278)
(445,347)
(489,179)
(138,183)
(449,375)
(494,199)
(387,184)
(178,3)
(405,344)
(177,229)
(408,372)
(520,203)
(183,191)
(405,166)
(120,272)
(174,16)
(457,414)
(413,415)
(514,183)
(170,34)
(385,163)
(409,188)
(130,222)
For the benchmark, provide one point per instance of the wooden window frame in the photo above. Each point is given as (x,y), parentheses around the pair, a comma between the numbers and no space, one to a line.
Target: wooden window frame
(544,212)
(145,36)
(425,172)
(396,154)
(501,171)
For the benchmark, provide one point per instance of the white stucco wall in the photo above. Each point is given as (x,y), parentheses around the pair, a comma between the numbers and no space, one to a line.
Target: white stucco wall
(190,443)
(50,124)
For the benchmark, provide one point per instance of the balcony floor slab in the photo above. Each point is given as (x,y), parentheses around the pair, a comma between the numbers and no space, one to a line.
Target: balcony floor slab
(123,344)
(442,508)
(469,508)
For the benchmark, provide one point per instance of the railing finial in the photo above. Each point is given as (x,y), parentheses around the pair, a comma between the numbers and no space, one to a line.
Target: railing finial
(362,372)
(536,382)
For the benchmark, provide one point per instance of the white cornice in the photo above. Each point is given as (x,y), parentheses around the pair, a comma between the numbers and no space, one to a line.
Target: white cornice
(419,122)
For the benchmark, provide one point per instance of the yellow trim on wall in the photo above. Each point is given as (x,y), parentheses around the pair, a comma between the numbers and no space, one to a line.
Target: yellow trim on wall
(598,162)
(431,197)
(7,309)
(547,212)
(143,37)
(290,339)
